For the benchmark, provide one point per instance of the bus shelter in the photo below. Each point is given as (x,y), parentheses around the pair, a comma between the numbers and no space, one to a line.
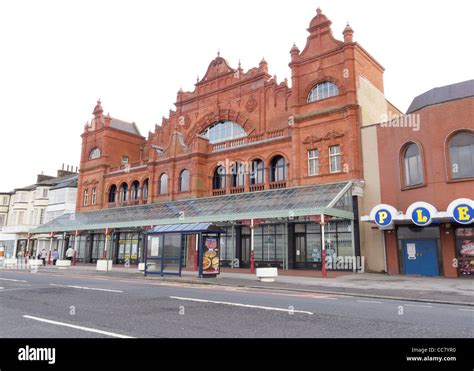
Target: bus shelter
(165,245)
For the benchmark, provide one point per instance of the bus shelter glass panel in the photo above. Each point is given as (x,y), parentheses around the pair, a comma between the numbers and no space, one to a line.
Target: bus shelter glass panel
(172,253)
(164,254)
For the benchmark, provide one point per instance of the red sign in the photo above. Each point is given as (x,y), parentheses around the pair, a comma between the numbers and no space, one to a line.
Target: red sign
(256,222)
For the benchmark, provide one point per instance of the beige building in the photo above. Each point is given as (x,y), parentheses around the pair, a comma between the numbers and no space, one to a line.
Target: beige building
(27,210)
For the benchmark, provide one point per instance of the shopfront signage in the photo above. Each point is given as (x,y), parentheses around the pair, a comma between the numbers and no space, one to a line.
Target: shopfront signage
(421,213)
(383,215)
(421,216)
(462,211)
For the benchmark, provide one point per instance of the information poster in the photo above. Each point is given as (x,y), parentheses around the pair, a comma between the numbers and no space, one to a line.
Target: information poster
(155,247)
(465,247)
(411,251)
(210,258)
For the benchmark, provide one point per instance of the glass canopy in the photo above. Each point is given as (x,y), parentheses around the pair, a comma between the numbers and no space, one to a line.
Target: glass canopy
(331,199)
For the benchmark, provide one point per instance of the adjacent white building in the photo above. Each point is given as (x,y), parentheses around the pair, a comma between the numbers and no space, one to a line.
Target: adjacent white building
(7,242)
(32,206)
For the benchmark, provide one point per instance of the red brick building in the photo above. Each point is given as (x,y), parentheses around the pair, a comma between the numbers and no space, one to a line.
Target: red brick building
(239,133)
(427,163)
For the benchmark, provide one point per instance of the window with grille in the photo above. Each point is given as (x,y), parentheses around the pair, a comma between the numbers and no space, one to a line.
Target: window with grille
(322,91)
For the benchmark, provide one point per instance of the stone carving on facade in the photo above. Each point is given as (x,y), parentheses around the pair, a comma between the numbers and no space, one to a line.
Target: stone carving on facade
(312,139)
(251,104)
(333,135)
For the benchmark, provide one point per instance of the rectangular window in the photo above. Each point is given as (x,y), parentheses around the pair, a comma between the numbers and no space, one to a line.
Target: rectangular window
(313,162)
(45,192)
(86,197)
(21,217)
(41,221)
(2,220)
(335,159)
(94,196)
(413,170)
(124,160)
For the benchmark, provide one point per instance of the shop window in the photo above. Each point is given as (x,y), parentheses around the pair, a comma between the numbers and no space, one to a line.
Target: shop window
(184,181)
(218,180)
(163,184)
(313,162)
(412,165)
(335,159)
(461,153)
(322,91)
(278,169)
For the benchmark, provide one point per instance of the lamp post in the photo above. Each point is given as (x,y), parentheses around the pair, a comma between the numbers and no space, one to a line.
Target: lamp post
(75,248)
(323,248)
(51,234)
(252,254)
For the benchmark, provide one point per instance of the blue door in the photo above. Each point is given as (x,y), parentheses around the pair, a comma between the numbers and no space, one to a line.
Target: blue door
(420,257)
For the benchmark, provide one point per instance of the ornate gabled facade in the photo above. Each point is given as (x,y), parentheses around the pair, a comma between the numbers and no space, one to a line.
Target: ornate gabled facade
(244,133)
(276,121)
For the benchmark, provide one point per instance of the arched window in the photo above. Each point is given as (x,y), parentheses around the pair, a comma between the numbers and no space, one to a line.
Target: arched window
(163,184)
(218,180)
(277,169)
(184,181)
(461,153)
(135,195)
(237,172)
(124,193)
(412,165)
(222,131)
(112,194)
(257,172)
(94,154)
(145,190)
(322,91)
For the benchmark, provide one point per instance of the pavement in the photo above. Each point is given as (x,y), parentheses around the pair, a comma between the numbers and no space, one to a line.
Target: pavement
(371,285)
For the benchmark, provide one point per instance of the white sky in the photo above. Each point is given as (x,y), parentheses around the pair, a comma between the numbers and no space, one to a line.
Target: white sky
(58,57)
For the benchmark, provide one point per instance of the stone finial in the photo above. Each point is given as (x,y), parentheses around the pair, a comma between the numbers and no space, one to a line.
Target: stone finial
(348,33)
(98,110)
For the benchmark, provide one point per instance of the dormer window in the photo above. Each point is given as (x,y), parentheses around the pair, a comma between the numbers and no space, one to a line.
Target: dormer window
(95,154)
(322,91)
(223,131)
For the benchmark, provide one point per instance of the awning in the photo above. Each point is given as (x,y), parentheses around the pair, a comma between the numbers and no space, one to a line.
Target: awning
(334,199)
(186,228)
